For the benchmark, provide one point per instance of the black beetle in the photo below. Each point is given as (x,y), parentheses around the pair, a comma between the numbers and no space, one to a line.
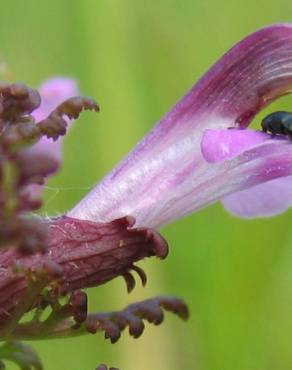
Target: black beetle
(278,123)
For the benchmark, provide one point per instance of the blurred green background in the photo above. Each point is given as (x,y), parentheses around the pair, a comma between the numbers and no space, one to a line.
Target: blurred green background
(137,58)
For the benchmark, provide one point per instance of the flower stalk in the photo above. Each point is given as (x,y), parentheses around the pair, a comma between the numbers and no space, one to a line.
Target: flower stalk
(46,261)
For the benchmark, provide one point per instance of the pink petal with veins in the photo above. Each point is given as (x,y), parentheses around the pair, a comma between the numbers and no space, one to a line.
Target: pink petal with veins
(166,176)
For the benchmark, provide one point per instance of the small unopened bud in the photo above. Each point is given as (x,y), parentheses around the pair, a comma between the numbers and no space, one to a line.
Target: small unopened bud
(78,301)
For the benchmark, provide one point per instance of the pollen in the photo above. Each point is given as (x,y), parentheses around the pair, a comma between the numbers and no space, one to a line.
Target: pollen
(122,243)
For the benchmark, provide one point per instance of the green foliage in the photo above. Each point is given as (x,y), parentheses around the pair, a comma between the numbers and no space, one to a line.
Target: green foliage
(21,354)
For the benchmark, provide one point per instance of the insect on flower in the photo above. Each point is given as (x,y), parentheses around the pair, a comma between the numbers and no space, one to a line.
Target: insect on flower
(278,123)
(191,158)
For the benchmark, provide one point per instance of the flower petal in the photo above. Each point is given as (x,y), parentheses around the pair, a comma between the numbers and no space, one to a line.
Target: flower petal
(264,200)
(219,145)
(162,179)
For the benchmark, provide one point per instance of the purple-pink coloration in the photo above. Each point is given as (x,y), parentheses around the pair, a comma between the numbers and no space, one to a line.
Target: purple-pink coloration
(200,152)
(167,176)
(263,200)
(86,254)
(220,145)
(53,92)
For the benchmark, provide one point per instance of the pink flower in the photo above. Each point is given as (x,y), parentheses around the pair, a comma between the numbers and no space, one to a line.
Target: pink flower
(199,153)
(192,157)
